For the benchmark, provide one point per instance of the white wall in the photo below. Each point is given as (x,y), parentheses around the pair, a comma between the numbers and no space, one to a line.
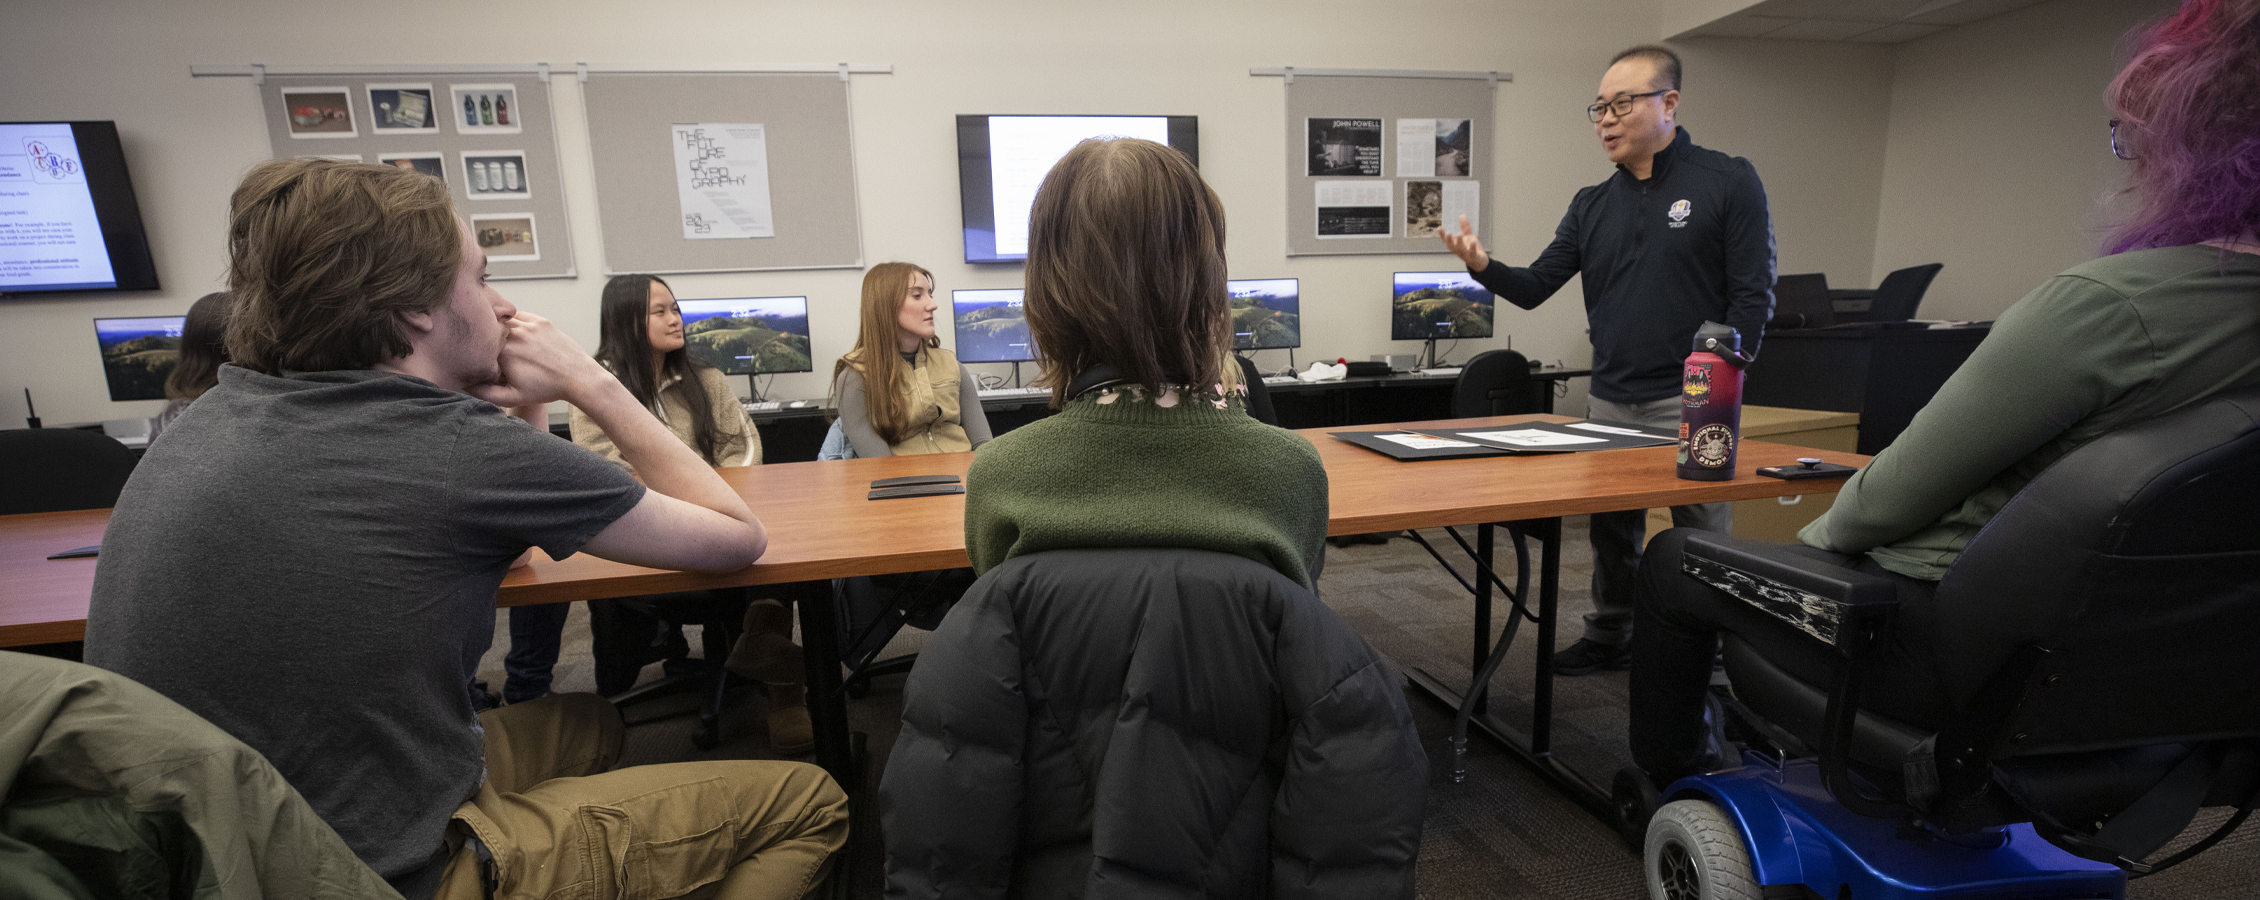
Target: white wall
(187,140)
(1997,160)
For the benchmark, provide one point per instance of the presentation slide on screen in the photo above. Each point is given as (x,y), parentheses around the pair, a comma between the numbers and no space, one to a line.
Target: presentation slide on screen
(49,237)
(1022,150)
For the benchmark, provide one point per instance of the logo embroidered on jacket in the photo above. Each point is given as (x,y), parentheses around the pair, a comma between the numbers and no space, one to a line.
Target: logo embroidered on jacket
(1680,210)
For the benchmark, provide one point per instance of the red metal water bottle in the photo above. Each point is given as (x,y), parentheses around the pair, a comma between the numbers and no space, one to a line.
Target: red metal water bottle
(1710,404)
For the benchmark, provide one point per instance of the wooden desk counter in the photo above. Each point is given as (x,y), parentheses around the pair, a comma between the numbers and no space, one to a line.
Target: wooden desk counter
(1370,492)
(44,600)
(821,526)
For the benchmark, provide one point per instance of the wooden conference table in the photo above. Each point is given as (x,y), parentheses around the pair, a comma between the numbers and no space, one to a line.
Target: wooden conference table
(821,526)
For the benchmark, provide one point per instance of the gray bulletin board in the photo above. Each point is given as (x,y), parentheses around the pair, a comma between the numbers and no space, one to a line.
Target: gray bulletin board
(811,169)
(519,218)
(1355,101)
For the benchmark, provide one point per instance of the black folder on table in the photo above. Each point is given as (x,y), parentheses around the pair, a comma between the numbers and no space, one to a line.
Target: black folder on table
(1507,440)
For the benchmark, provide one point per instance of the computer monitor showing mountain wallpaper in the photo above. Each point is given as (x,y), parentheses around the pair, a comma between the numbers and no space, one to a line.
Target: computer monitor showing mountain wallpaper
(748,335)
(1266,313)
(1445,305)
(138,354)
(990,326)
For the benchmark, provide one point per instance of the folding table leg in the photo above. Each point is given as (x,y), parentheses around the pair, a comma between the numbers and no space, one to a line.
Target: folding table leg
(827,701)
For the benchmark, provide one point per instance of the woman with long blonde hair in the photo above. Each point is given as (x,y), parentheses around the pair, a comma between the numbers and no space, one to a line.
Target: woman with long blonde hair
(898,392)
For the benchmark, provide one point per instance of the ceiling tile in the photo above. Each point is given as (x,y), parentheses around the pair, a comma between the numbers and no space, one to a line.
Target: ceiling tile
(1898,34)
(1821,30)
(1744,26)
(1967,11)
(1852,10)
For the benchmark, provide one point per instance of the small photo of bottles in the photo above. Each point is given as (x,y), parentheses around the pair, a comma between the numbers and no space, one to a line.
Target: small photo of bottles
(496,175)
(486,109)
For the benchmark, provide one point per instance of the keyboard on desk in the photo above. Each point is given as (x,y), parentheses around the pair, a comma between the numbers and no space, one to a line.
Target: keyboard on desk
(1279,379)
(752,406)
(992,393)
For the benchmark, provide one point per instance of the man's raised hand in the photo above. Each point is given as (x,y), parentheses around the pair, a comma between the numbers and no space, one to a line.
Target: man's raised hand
(1465,246)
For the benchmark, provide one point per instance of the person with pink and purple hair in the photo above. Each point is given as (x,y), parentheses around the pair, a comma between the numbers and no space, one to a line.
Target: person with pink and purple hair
(2168,317)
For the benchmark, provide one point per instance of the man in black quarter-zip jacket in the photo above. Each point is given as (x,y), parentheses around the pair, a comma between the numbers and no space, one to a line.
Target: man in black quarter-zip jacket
(1678,235)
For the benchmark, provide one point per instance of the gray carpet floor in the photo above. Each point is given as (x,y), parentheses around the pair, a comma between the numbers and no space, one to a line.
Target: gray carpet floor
(1503,833)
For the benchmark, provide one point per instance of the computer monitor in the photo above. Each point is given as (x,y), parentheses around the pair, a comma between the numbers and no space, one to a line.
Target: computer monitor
(991,327)
(1801,301)
(138,354)
(1001,160)
(1445,305)
(1266,313)
(748,335)
(68,217)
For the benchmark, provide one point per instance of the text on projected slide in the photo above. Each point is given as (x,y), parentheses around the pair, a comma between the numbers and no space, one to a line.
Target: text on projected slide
(49,237)
(1022,150)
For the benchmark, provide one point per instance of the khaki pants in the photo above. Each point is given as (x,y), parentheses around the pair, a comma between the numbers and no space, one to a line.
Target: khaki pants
(560,825)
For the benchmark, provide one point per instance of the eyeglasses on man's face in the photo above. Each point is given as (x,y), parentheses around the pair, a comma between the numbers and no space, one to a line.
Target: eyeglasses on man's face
(2122,147)
(1619,107)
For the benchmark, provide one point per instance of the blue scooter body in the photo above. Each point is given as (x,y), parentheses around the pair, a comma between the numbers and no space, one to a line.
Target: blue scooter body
(1798,834)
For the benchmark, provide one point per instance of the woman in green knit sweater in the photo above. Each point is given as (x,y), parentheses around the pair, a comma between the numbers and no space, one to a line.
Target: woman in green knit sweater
(1152,446)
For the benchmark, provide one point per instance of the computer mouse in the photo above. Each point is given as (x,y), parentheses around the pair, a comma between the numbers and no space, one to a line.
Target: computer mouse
(797,404)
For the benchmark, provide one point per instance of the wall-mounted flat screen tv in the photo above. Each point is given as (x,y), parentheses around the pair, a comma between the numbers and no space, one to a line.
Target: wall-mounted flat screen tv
(1266,313)
(991,327)
(748,335)
(1443,305)
(68,219)
(138,354)
(1002,159)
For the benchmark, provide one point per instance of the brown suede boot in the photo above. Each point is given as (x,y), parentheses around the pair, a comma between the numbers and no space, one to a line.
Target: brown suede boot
(766,653)
(790,732)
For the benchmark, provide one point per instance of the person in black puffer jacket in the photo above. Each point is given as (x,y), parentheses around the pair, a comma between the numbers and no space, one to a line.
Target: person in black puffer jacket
(1150,722)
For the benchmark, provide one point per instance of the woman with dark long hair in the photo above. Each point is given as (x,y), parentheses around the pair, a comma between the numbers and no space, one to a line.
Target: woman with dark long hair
(897,391)
(642,341)
(203,348)
(2167,318)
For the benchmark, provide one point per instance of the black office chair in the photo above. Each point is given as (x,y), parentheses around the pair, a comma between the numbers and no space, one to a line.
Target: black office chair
(1495,383)
(1259,394)
(1901,293)
(871,610)
(57,469)
(628,633)
(2101,636)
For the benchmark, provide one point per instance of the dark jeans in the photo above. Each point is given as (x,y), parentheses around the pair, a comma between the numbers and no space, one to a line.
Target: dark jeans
(537,633)
(1617,536)
(1677,637)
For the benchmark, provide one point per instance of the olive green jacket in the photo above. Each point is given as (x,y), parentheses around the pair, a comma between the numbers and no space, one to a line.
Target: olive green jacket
(2107,344)
(111,790)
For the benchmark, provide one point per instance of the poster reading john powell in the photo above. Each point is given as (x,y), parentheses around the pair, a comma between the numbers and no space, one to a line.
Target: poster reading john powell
(1345,147)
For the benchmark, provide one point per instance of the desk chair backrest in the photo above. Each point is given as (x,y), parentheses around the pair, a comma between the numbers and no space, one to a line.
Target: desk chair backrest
(1901,293)
(2135,560)
(1150,722)
(1259,394)
(1494,383)
(56,469)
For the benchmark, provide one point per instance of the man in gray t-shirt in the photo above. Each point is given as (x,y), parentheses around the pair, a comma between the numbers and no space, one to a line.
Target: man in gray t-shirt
(309,560)
(327,546)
